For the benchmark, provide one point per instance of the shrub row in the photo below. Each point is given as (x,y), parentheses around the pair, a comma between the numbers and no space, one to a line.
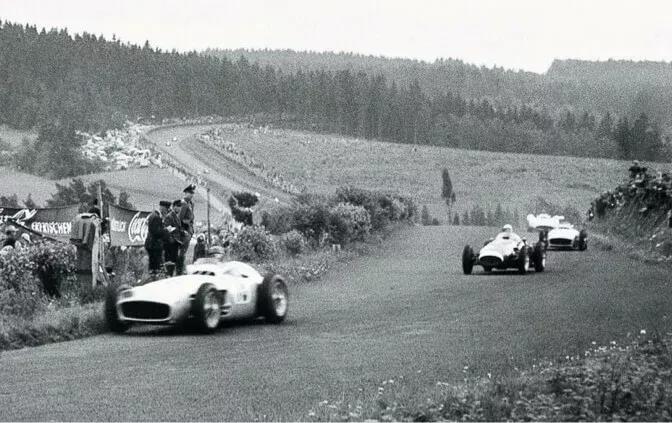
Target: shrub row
(350,215)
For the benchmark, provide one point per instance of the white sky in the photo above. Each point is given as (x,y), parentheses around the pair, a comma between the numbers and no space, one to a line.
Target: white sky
(520,34)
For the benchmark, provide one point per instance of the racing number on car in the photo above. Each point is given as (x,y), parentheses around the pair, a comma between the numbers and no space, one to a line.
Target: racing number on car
(243,294)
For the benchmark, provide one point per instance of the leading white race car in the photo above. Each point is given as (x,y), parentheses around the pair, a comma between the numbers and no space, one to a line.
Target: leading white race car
(211,292)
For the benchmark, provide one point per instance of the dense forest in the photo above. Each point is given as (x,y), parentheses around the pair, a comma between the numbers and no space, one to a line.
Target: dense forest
(615,86)
(60,82)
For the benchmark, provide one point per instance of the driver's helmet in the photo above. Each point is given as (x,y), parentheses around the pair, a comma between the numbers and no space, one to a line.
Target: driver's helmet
(507,228)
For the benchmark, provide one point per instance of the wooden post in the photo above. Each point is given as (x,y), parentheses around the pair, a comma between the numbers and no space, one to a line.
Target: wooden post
(208,214)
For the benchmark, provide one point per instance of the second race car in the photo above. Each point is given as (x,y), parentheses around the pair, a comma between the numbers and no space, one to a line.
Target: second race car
(506,251)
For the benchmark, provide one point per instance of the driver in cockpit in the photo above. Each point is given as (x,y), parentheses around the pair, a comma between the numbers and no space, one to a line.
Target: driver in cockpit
(507,233)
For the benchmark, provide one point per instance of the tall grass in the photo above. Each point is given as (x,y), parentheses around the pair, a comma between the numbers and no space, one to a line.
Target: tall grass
(630,382)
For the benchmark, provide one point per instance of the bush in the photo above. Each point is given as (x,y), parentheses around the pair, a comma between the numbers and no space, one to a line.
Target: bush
(294,242)
(348,223)
(254,244)
(382,208)
(53,262)
(369,200)
(311,219)
(241,204)
(278,221)
(245,199)
(21,293)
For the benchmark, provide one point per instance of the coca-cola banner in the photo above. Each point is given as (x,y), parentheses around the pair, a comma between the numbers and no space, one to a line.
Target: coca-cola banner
(53,222)
(127,227)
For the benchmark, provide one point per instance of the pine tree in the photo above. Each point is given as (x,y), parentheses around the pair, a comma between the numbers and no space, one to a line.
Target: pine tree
(29,203)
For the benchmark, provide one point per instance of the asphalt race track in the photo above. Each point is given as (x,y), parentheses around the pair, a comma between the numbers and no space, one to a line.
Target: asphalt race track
(405,308)
(222,171)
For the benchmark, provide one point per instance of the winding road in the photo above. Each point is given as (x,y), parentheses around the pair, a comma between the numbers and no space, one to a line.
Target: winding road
(223,175)
(405,308)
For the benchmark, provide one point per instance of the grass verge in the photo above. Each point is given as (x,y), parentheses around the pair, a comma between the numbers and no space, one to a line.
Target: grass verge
(56,325)
(615,382)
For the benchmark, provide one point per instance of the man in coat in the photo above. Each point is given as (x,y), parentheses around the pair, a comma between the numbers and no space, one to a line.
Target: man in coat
(156,235)
(174,239)
(187,220)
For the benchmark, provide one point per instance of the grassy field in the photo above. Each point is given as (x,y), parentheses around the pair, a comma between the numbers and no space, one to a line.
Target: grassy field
(15,136)
(325,162)
(146,186)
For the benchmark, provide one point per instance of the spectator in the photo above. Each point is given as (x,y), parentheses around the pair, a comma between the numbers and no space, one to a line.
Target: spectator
(187,225)
(200,249)
(156,235)
(12,238)
(94,208)
(173,241)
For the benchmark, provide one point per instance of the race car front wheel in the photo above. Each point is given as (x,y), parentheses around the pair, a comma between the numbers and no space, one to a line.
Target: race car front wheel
(111,315)
(273,298)
(467,260)
(207,308)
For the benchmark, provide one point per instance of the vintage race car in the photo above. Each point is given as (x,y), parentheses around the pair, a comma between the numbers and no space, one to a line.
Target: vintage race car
(556,233)
(565,236)
(211,292)
(505,252)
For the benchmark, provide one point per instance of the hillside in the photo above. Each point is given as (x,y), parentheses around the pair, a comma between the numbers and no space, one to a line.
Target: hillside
(617,86)
(323,163)
(146,187)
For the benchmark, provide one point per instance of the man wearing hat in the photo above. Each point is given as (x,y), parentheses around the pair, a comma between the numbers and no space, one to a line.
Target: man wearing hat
(187,220)
(173,241)
(156,235)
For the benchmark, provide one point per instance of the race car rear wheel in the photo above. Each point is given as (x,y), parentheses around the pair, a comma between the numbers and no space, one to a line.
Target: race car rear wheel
(273,298)
(207,308)
(539,258)
(467,260)
(524,261)
(111,315)
(583,240)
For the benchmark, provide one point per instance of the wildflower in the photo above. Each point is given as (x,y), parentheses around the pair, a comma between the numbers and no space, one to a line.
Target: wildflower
(311,414)
(489,375)
(642,332)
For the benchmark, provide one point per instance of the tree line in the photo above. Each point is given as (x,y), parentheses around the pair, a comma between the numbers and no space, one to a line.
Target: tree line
(60,82)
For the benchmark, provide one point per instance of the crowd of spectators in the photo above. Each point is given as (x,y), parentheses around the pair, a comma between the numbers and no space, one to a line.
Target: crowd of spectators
(643,189)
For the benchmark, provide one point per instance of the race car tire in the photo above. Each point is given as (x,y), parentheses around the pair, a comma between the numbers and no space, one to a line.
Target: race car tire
(273,298)
(206,308)
(111,315)
(467,260)
(539,258)
(583,240)
(524,261)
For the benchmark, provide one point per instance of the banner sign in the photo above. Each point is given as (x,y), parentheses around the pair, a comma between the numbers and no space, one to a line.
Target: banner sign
(127,227)
(54,222)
